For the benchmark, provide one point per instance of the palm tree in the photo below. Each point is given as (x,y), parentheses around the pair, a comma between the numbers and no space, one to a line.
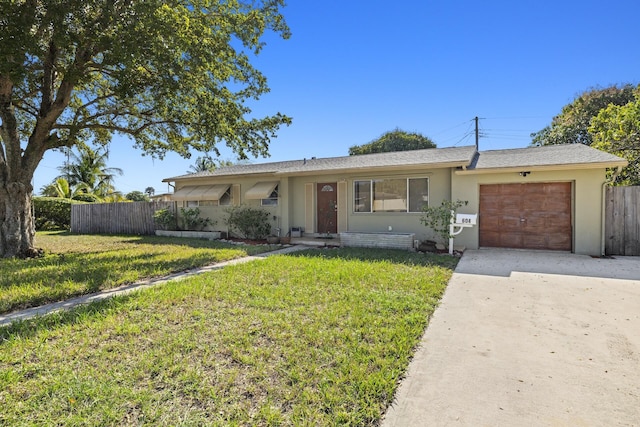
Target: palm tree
(202,164)
(89,168)
(60,187)
(114,197)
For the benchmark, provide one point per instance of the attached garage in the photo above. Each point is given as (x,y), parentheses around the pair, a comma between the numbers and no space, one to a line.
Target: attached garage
(549,198)
(526,216)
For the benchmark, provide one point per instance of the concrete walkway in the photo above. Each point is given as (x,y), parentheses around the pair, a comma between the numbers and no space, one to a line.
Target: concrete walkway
(525,338)
(29,313)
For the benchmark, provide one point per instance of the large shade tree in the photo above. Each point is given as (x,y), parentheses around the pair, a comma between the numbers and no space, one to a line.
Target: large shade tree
(395,140)
(616,129)
(172,75)
(604,118)
(571,126)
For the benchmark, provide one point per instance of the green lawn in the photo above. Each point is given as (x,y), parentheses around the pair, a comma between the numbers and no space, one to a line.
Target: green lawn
(320,337)
(80,264)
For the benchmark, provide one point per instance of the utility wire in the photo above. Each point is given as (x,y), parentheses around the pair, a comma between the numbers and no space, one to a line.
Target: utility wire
(451,128)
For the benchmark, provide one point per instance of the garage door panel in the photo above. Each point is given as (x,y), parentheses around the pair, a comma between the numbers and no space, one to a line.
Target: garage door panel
(509,189)
(511,240)
(533,241)
(493,203)
(510,223)
(531,216)
(510,210)
(492,239)
(559,242)
(535,224)
(491,222)
(558,223)
(554,205)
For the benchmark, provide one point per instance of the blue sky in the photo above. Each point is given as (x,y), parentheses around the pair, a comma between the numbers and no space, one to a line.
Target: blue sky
(353,70)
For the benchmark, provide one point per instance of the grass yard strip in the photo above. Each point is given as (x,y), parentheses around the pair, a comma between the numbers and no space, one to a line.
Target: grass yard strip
(320,337)
(81,264)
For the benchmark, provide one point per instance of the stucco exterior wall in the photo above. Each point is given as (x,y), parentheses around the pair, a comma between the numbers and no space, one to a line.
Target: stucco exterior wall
(586,204)
(218,213)
(296,209)
(400,222)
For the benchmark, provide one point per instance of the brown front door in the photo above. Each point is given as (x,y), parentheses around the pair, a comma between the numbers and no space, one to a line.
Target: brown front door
(526,216)
(327,202)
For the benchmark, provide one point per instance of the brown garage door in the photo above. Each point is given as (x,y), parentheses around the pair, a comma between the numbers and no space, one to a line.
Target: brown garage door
(526,216)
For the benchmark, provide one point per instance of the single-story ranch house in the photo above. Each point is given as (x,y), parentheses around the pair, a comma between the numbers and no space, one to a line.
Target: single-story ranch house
(549,197)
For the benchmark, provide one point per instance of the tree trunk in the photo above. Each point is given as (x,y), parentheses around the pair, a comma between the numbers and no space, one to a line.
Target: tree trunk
(17,227)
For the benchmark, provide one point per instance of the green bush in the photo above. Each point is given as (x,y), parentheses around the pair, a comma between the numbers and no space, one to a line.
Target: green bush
(438,218)
(249,223)
(165,219)
(52,213)
(192,220)
(87,197)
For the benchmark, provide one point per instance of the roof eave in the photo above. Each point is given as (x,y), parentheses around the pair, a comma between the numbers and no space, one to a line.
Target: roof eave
(362,169)
(216,176)
(330,171)
(570,166)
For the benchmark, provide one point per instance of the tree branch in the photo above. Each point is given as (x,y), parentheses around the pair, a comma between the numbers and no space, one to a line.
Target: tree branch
(48,79)
(39,139)
(121,129)
(97,99)
(28,108)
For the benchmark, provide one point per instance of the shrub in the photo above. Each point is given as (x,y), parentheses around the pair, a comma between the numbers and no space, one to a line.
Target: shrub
(192,220)
(165,219)
(87,197)
(137,196)
(52,213)
(249,223)
(438,218)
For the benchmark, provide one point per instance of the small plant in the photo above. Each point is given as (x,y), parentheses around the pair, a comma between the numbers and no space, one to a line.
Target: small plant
(165,219)
(438,218)
(192,220)
(249,223)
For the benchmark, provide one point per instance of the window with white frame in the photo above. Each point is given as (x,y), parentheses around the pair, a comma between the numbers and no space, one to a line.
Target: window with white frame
(272,200)
(390,195)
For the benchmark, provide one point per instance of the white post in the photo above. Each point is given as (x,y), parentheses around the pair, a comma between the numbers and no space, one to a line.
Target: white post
(453,213)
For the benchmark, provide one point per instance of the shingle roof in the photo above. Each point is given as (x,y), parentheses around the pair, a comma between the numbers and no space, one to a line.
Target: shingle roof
(562,156)
(545,156)
(432,157)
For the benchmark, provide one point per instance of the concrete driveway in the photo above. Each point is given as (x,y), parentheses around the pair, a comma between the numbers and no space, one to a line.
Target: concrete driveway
(526,338)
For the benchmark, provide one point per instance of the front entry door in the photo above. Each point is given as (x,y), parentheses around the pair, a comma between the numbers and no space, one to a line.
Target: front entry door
(327,202)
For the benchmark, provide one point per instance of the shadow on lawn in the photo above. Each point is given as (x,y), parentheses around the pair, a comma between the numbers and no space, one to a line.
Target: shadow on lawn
(147,240)
(94,272)
(395,256)
(31,327)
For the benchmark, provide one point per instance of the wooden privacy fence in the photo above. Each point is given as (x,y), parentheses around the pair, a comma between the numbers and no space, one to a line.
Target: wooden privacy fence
(622,223)
(115,218)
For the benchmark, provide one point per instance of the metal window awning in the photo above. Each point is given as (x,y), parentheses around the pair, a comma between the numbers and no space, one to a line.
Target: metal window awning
(262,190)
(200,192)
